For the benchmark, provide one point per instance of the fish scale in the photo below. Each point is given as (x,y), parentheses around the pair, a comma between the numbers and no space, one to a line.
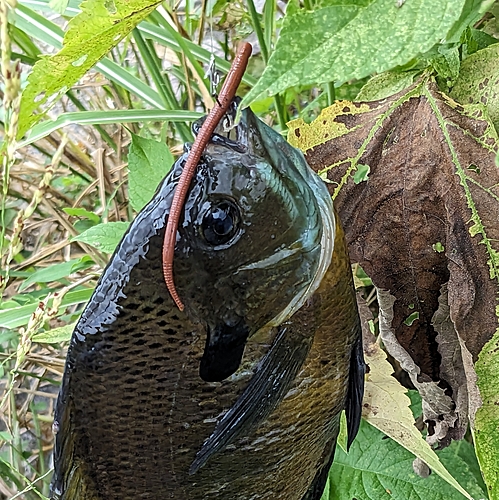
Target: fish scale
(133,412)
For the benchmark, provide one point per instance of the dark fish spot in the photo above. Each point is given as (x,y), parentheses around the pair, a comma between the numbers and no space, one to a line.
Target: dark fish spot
(223,351)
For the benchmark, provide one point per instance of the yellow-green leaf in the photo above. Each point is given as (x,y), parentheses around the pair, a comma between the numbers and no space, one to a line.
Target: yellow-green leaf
(99,27)
(386,406)
(56,335)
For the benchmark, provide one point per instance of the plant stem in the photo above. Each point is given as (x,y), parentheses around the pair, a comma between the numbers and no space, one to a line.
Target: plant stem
(331,93)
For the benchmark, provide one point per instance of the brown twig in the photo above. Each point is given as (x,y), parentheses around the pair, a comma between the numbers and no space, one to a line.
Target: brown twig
(227,93)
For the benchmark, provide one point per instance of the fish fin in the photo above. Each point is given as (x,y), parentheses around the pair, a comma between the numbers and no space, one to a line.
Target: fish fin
(353,405)
(316,489)
(266,389)
(71,479)
(77,486)
(64,444)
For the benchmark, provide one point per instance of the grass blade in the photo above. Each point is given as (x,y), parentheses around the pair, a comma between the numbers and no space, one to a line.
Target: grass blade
(107,117)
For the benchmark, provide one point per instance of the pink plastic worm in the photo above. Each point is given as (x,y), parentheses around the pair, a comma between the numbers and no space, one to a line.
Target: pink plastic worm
(222,104)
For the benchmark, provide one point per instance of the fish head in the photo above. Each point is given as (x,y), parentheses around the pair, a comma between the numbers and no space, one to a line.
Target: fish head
(251,246)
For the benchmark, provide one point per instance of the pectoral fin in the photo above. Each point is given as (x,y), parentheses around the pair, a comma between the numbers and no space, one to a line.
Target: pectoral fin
(268,386)
(353,406)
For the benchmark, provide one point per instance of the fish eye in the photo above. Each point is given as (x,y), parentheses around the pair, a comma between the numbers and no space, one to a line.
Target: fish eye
(220,223)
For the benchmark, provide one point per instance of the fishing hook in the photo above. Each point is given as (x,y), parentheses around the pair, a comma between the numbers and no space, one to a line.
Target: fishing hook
(229,88)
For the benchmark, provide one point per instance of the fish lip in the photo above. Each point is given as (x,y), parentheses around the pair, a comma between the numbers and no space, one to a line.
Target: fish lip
(228,127)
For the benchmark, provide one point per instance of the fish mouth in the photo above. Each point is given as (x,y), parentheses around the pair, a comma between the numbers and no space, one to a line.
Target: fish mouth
(242,137)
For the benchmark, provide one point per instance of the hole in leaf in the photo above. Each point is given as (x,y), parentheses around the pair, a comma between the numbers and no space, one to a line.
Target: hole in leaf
(80,60)
(39,97)
(411,318)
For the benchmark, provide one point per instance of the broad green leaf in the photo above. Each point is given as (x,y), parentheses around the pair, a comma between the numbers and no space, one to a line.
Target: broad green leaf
(385,85)
(466,453)
(447,64)
(42,29)
(91,35)
(56,335)
(486,431)
(19,316)
(472,11)
(104,237)
(386,406)
(55,272)
(341,42)
(148,161)
(478,81)
(377,468)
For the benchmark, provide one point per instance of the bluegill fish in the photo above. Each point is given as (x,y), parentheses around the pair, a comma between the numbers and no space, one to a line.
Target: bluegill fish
(238,396)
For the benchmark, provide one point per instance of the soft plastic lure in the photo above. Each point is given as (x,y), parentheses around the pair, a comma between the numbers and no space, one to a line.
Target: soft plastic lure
(222,104)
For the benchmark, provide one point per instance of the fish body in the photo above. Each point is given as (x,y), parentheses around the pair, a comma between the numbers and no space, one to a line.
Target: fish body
(238,396)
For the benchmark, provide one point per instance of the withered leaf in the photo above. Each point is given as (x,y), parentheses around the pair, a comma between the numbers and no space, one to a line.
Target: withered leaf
(386,406)
(426,216)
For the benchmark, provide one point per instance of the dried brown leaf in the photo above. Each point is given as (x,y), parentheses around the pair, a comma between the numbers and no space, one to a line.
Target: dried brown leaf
(425,215)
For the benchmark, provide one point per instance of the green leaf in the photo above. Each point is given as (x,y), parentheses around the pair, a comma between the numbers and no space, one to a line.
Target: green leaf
(59,6)
(148,161)
(56,335)
(19,316)
(486,434)
(377,468)
(91,35)
(104,237)
(56,272)
(352,41)
(478,81)
(361,174)
(42,29)
(386,406)
(466,453)
(385,85)
(447,64)
(81,212)
(472,11)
